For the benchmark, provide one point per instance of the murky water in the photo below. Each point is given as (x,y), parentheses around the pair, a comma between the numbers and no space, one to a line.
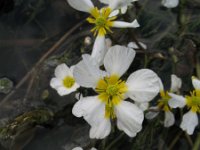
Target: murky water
(30,28)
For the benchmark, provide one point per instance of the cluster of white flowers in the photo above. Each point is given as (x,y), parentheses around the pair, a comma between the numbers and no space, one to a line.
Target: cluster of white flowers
(118,100)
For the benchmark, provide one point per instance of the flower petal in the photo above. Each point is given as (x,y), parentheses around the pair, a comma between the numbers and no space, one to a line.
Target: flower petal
(118,59)
(87,72)
(122,24)
(91,108)
(99,49)
(80,107)
(176,101)
(169,119)
(124,9)
(196,83)
(114,13)
(93,111)
(62,71)
(189,122)
(101,130)
(55,83)
(77,148)
(175,83)
(161,85)
(170,3)
(129,118)
(65,91)
(143,85)
(81,5)
(117,4)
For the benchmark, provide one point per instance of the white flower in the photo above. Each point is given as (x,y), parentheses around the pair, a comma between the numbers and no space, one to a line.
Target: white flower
(80,148)
(141,86)
(122,6)
(103,21)
(190,119)
(170,3)
(64,81)
(163,103)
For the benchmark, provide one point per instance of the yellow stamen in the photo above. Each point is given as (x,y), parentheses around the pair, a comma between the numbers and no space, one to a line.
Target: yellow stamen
(111,91)
(193,101)
(163,102)
(68,81)
(101,20)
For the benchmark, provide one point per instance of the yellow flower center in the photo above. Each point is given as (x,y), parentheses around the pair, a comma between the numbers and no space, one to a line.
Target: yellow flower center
(111,91)
(163,102)
(68,81)
(193,101)
(101,20)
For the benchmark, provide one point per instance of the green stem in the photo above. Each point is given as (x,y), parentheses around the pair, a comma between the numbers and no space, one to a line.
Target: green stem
(114,141)
(175,140)
(197,143)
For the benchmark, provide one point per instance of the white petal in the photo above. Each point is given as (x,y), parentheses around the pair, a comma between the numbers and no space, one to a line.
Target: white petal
(142,106)
(99,49)
(129,118)
(135,46)
(65,91)
(170,3)
(93,111)
(93,148)
(118,59)
(62,71)
(114,13)
(124,9)
(151,114)
(176,101)
(175,83)
(189,122)
(196,83)
(161,85)
(122,24)
(81,5)
(55,83)
(80,107)
(169,119)
(117,4)
(101,130)
(91,108)
(143,85)
(87,72)
(108,43)
(77,148)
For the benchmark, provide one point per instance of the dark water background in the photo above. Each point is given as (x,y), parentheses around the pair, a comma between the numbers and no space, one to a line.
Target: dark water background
(29,28)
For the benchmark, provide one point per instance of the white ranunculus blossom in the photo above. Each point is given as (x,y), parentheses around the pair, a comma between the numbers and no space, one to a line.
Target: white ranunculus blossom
(170,3)
(103,20)
(64,81)
(190,119)
(164,101)
(141,86)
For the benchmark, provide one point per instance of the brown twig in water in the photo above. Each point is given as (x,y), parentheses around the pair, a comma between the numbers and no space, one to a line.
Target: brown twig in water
(41,60)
